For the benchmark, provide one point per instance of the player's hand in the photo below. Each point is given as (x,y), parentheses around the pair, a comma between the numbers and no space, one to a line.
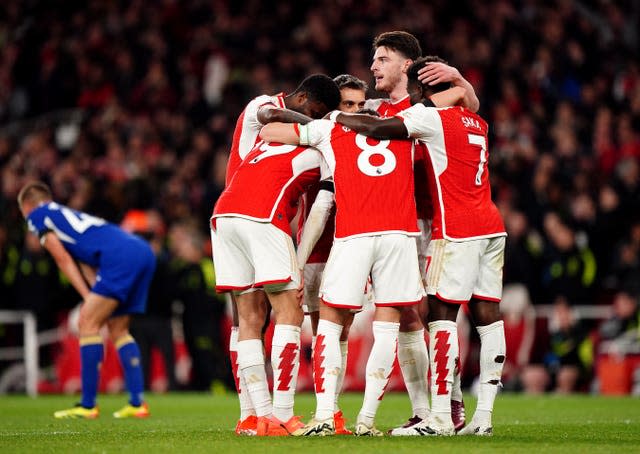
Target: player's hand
(435,73)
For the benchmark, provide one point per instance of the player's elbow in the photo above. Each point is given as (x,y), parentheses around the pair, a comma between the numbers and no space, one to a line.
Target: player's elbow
(268,115)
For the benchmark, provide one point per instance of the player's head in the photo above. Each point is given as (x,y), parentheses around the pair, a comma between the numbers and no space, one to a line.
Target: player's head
(315,96)
(393,54)
(353,92)
(417,90)
(32,195)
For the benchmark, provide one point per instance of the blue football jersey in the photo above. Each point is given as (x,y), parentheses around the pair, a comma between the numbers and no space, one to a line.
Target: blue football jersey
(85,237)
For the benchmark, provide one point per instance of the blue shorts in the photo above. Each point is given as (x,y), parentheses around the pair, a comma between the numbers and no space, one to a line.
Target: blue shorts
(125,273)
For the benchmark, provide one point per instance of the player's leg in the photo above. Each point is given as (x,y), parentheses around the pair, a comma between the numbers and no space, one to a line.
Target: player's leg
(230,239)
(385,329)
(285,351)
(251,352)
(247,423)
(414,362)
(327,359)
(129,355)
(338,417)
(443,354)
(94,312)
(413,356)
(130,280)
(276,270)
(488,321)
(343,281)
(484,309)
(448,261)
(458,412)
(397,284)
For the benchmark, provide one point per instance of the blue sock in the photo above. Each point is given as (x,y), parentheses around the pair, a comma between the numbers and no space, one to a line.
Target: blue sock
(129,354)
(91,355)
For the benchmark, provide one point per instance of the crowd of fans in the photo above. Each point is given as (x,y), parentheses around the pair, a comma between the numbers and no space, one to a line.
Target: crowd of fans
(131,105)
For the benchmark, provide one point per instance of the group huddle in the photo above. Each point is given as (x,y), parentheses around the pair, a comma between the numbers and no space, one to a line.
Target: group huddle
(395,205)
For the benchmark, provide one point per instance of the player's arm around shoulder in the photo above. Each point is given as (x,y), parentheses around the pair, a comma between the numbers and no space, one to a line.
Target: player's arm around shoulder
(281,132)
(65,262)
(454,96)
(271,114)
(379,128)
(421,122)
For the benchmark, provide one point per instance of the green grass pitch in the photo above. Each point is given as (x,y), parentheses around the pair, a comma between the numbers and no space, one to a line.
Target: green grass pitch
(199,423)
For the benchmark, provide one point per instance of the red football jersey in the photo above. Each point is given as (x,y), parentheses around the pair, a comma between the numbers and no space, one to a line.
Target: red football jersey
(320,252)
(457,145)
(373,180)
(386,108)
(269,182)
(245,135)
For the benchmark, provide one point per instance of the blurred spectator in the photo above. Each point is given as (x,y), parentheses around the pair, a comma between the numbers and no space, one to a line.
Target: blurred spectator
(621,333)
(568,364)
(201,313)
(618,364)
(519,327)
(153,329)
(569,267)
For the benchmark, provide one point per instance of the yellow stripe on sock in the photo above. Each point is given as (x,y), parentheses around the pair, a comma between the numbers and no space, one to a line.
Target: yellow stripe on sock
(89,340)
(127,339)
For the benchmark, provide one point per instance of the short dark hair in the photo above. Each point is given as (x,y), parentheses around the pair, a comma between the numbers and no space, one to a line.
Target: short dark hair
(402,42)
(412,73)
(320,88)
(34,192)
(349,81)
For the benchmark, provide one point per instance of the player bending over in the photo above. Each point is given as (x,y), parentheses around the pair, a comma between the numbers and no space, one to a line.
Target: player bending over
(122,267)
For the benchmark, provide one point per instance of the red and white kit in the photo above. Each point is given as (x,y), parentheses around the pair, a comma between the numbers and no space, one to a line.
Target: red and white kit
(467,231)
(251,239)
(375,217)
(385,109)
(245,134)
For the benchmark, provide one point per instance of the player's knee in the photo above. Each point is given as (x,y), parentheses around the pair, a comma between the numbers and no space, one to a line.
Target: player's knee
(290,316)
(410,320)
(484,312)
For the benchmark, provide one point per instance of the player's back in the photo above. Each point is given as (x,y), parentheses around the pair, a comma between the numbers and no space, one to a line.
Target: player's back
(459,156)
(268,183)
(373,183)
(85,237)
(247,129)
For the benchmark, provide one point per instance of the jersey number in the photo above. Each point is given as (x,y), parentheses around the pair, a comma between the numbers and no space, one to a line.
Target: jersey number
(364,163)
(81,221)
(481,141)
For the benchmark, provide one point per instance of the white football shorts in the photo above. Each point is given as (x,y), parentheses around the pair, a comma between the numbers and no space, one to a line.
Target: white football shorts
(312,279)
(458,271)
(392,262)
(254,254)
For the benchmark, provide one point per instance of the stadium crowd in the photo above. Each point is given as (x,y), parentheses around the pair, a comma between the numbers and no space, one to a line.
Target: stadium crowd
(125,106)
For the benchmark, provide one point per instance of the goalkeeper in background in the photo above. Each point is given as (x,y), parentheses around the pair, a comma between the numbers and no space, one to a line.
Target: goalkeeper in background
(111,270)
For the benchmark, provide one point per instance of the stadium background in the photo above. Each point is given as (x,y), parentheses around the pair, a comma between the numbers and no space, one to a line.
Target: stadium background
(125,106)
